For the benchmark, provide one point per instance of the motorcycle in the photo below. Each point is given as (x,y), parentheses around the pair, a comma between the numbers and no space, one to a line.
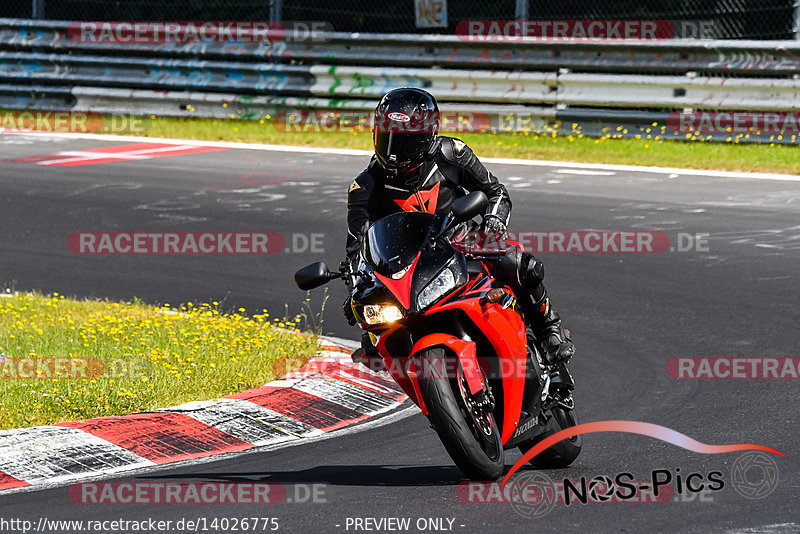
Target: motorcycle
(454,339)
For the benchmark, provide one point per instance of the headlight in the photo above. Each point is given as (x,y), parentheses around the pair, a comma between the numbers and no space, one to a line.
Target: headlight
(438,287)
(378,314)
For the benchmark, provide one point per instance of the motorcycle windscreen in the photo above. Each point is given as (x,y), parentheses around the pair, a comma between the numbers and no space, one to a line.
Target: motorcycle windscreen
(391,244)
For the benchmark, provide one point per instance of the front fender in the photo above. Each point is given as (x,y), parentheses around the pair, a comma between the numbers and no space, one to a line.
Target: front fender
(464,350)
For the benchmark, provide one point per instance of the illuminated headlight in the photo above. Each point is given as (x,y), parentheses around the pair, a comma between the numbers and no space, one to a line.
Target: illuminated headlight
(438,287)
(378,314)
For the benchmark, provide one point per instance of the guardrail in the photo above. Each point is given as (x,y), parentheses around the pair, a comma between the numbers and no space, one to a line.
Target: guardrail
(44,65)
(746,58)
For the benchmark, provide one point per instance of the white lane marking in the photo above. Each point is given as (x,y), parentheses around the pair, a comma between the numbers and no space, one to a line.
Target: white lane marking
(653,170)
(352,152)
(586,172)
(79,155)
(768,529)
(197,142)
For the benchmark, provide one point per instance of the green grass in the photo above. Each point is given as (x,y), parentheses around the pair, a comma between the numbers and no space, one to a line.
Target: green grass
(66,359)
(730,156)
(545,144)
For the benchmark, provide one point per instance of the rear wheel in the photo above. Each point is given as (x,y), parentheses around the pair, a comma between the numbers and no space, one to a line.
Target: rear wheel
(472,440)
(562,453)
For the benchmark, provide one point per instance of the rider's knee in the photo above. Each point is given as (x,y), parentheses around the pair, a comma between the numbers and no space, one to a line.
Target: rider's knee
(531,270)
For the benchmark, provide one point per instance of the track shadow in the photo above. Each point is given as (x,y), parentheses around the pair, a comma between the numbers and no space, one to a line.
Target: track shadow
(338,475)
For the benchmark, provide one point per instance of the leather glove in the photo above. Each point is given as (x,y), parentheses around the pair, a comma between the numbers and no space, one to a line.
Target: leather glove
(346,267)
(495,225)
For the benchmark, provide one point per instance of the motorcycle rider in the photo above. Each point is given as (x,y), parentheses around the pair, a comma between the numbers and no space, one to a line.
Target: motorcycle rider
(415,169)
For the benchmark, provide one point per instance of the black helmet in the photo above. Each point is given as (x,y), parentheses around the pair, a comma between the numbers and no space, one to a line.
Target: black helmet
(405,128)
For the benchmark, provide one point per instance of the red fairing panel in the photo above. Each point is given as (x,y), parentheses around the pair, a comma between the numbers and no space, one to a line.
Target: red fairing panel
(465,350)
(397,368)
(506,332)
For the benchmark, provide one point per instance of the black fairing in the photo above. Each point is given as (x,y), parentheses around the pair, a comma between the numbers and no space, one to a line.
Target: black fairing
(431,262)
(392,244)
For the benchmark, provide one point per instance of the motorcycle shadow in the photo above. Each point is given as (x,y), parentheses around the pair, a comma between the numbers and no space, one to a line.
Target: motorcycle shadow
(339,475)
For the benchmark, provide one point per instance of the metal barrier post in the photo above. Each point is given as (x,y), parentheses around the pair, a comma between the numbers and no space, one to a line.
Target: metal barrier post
(521,10)
(796,21)
(37,9)
(275,10)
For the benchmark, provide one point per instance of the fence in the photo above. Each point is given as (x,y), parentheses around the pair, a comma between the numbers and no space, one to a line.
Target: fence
(733,19)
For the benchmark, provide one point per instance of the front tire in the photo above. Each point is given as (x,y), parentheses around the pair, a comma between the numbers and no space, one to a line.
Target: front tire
(562,453)
(476,449)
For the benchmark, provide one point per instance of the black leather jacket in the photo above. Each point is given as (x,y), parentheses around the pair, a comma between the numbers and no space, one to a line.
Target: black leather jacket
(451,172)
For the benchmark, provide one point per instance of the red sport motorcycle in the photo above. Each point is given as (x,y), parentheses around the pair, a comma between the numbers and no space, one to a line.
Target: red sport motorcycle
(454,339)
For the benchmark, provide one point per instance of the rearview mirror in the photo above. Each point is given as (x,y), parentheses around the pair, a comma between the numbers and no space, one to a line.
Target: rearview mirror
(313,276)
(469,206)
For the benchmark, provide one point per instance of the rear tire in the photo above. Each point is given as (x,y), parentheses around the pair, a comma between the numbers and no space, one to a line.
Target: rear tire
(562,453)
(478,455)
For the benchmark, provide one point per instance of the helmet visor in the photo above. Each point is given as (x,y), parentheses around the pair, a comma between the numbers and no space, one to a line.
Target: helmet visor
(405,147)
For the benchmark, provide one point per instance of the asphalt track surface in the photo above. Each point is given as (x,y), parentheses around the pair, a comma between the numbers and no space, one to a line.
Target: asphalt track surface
(629,314)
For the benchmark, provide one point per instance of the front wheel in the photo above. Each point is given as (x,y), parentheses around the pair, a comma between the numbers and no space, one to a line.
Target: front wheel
(472,441)
(562,453)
